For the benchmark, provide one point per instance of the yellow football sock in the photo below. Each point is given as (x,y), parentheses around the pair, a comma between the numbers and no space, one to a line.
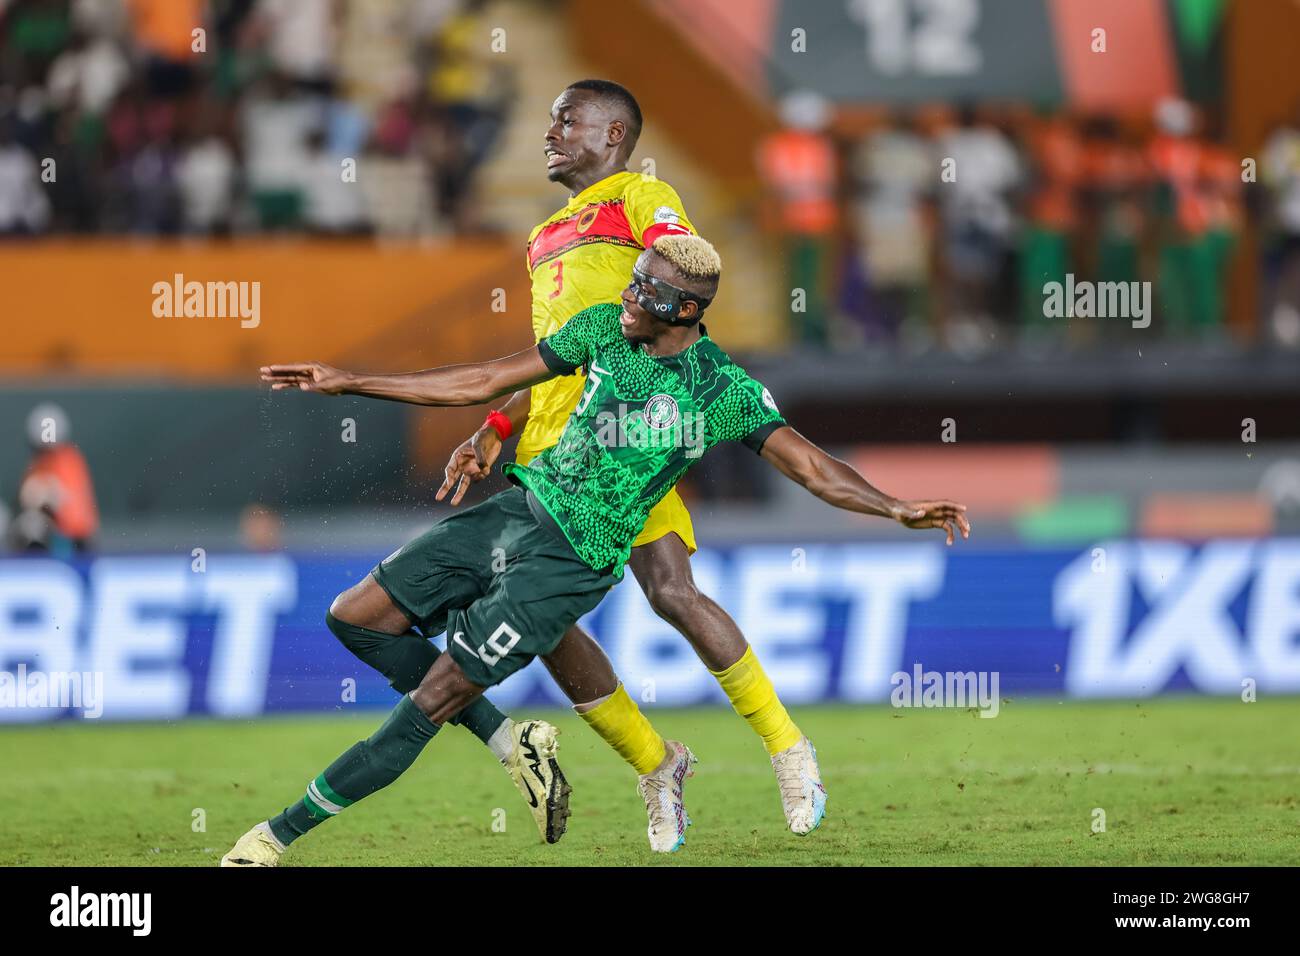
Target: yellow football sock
(752,694)
(621,724)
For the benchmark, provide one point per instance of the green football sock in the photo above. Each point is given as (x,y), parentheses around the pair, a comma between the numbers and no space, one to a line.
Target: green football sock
(404,659)
(365,767)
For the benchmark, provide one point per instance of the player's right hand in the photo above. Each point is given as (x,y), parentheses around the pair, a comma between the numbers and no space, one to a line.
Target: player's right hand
(306,376)
(472,461)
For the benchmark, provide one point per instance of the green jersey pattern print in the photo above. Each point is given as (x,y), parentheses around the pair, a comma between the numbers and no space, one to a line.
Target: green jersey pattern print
(641,422)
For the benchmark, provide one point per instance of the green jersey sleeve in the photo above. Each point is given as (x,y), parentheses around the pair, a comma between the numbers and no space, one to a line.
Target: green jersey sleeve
(745,412)
(570,347)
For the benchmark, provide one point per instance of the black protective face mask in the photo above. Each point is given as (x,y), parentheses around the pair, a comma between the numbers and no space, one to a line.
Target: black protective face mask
(666,303)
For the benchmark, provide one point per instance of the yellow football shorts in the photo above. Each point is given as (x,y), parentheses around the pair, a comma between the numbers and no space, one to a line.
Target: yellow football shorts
(668,517)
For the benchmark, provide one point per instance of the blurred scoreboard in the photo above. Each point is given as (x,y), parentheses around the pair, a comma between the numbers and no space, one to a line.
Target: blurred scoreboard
(916,50)
(1095,54)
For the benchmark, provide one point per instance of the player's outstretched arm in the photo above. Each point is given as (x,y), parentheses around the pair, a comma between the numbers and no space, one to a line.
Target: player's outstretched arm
(471,384)
(837,483)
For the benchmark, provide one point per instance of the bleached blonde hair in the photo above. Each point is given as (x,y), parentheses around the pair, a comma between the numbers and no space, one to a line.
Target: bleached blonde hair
(692,256)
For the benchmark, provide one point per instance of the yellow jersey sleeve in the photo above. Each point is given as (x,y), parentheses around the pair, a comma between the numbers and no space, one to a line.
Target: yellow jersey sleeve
(654,209)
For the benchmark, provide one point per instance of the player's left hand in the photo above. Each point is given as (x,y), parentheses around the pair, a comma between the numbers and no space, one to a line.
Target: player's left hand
(466,465)
(948,515)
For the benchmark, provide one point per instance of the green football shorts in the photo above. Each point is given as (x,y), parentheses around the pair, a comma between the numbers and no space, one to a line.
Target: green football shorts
(500,578)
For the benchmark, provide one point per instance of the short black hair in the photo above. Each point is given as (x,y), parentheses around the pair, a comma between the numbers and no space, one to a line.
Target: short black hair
(621,98)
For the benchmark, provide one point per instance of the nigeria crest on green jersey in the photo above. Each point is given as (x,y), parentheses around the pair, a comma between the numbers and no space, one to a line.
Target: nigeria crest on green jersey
(641,421)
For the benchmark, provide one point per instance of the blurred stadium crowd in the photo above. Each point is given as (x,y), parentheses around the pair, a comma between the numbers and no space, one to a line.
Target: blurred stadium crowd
(891,252)
(242,126)
(918,235)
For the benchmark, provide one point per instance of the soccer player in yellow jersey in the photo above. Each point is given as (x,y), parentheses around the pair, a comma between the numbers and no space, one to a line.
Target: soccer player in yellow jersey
(578,257)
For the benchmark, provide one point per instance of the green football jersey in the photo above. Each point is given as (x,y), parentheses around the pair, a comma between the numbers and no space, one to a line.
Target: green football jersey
(641,422)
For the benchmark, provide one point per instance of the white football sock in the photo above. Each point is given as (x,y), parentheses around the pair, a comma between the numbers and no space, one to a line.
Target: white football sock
(502,741)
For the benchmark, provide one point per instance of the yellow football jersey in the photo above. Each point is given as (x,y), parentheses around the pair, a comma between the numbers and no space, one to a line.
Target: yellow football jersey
(583,255)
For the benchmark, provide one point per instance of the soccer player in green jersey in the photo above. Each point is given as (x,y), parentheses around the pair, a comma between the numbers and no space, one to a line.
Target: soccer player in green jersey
(659,394)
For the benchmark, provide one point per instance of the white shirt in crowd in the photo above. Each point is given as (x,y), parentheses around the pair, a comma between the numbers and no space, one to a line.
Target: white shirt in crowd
(205,177)
(90,78)
(1282,175)
(302,36)
(275,140)
(23,203)
(986,168)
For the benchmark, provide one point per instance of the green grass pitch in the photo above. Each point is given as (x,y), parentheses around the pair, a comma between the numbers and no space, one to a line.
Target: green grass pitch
(1181,781)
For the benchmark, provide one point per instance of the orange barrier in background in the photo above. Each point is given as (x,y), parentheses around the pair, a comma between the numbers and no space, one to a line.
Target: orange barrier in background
(997,480)
(88,307)
(1138,66)
(1206,515)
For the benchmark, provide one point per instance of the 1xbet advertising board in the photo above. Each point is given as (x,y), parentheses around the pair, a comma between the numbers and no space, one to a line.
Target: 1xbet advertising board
(121,637)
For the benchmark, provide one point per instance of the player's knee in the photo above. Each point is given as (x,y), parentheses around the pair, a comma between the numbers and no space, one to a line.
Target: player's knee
(339,628)
(337,607)
(338,611)
(340,619)
(673,600)
(357,640)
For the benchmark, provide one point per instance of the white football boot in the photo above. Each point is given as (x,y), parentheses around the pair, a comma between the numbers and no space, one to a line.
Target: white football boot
(533,768)
(662,791)
(257,847)
(802,795)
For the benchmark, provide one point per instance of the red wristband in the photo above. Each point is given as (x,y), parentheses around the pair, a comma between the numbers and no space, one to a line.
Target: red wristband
(499,423)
